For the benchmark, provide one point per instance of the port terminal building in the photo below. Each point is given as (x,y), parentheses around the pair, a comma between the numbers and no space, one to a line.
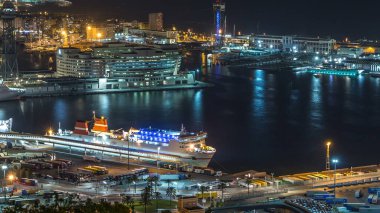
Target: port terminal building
(294,44)
(129,65)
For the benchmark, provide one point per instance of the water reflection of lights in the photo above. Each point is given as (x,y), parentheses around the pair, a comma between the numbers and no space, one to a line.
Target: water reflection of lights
(198,110)
(259,92)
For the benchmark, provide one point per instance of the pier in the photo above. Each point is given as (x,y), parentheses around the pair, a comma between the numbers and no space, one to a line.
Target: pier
(89,87)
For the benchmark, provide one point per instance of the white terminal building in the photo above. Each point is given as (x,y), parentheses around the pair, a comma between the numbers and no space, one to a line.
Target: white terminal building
(130,66)
(295,43)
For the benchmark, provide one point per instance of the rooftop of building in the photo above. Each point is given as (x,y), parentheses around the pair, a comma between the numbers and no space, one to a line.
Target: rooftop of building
(116,50)
(295,37)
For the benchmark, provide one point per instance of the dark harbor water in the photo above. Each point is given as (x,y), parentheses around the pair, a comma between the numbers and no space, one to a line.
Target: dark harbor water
(268,121)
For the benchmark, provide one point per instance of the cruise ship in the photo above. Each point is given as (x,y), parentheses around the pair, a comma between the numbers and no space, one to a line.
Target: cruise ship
(180,148)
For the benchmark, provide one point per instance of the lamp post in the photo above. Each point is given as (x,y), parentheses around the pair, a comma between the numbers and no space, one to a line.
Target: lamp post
(158,158)
(4,168)
(11,178)
(335,161)
(328,144)
(99,35)
(128,156)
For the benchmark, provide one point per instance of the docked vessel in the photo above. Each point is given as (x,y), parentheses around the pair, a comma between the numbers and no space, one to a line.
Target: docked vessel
(181,148)
(334,71)
(8,94)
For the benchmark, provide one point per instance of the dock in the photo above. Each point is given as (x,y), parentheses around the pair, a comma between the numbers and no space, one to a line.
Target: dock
(90,88)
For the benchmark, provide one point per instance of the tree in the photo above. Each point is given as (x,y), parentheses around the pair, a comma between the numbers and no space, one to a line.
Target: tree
(128,182)
(146,197)
(128,200)
(171,193)
(157,196)
(134,180)
(202,189)
(248,181)
(168,182)
(222,186)
(152,181)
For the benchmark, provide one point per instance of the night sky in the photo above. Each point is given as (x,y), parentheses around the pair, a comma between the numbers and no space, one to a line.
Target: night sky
(336,18)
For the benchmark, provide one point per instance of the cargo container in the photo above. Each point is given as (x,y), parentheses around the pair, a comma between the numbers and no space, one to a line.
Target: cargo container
(355,206)
(95,170)
(293,180)
(101,168)
(91,158)
(312,193)
(323,196)
(68,162)
(85,171)
(330,200)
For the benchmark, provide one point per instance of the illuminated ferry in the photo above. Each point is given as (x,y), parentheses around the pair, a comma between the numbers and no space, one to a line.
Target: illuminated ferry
(181,148)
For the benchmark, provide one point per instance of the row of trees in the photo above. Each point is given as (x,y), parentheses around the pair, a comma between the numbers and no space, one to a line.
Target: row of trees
(150,192)
(68,206)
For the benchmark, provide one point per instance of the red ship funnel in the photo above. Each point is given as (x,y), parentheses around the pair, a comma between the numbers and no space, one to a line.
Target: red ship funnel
(100,125)
(81,128)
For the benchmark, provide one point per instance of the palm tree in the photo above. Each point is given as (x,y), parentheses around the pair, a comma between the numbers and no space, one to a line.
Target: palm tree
(222,186)
(168,182)
(153,181)
(248,181)
(171,192)
(202,189)
(146,197)
(128,182)
(134,180)
(128,200)
(157,196)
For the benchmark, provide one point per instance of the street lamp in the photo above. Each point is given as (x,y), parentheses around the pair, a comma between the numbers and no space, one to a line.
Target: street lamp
(11,178)
(158,157)
(4,168)
(328,144)
(335,161)
(99,35)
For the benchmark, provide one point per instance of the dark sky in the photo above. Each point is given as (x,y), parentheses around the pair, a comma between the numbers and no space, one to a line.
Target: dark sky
(336,18)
